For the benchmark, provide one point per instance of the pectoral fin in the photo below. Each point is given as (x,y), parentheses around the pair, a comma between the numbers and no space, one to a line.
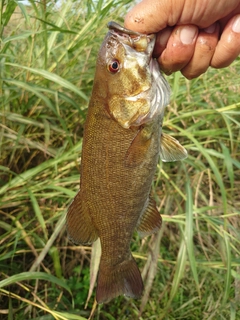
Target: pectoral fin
(150,220)
(79,224)
(136,153)
(171,149)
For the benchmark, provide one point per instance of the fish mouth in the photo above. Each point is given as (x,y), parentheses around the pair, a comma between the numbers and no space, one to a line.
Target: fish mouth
(118,28)
(137,41)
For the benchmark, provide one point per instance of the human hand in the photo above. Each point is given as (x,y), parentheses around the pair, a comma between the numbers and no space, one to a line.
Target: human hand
(191,35)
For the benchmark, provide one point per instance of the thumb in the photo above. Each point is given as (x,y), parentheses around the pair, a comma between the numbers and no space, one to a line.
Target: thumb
(151,16)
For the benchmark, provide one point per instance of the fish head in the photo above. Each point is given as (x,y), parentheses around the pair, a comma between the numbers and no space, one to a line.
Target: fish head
(129,78)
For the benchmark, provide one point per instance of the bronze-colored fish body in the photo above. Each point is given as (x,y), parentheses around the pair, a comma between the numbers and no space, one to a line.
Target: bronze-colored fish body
(120,152)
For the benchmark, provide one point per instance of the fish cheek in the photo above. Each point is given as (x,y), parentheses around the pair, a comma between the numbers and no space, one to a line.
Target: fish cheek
(126,112)
(130,80)
(122,104)
(117,108)
(144,76)
(135,81)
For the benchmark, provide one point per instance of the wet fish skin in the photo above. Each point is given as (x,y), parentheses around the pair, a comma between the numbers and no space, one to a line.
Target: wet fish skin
(120,152)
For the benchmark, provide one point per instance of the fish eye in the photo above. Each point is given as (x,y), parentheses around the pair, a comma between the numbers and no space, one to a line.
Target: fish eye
(114,66)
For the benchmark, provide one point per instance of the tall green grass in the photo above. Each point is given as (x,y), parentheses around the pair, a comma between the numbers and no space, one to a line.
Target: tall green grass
(191,269)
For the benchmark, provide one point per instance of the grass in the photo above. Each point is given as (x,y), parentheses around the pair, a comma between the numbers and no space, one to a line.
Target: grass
(191,269)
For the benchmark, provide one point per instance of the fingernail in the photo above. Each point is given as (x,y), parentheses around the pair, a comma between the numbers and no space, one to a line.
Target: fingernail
(187,34)
(236,24)
(211,28)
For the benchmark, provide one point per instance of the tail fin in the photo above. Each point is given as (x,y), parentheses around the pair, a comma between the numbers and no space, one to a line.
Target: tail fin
(125,278)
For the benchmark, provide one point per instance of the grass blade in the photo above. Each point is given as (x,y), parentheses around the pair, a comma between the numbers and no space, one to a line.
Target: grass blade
(26,276)
(52,77)
(189,233)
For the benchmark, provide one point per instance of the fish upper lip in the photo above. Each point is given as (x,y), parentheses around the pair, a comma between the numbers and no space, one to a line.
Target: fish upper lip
(132,38)
(117,27)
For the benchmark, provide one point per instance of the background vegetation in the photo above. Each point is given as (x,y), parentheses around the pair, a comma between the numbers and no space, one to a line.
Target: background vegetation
(191,268)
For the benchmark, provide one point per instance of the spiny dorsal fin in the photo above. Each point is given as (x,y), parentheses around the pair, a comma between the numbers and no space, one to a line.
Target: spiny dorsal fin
(79,223)
(150,220)
(171,149)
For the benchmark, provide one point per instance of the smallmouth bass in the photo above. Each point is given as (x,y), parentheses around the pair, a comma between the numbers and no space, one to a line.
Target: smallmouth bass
(121,146)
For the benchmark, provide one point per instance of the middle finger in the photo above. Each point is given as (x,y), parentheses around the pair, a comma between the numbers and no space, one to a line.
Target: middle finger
(204,50)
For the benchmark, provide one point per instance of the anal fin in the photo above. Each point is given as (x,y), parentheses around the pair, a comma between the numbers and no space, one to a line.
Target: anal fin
(79,223)
(150,221)
(171,149)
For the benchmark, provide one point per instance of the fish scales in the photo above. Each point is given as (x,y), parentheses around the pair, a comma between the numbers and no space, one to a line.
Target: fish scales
(114,190)
(121,145)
